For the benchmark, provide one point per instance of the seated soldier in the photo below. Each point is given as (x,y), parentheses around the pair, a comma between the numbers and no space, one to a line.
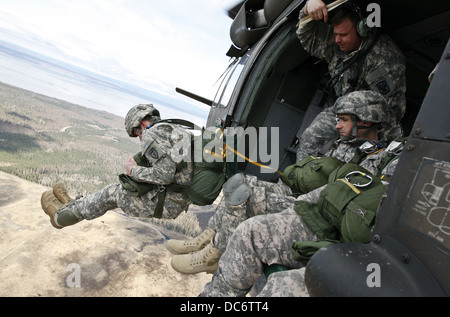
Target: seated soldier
(290,237)
(362,120)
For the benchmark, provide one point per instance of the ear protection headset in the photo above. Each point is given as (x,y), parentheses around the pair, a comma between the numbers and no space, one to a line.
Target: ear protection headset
(362,28)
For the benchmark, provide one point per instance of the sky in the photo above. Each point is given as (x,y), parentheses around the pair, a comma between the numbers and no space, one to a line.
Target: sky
(158,45)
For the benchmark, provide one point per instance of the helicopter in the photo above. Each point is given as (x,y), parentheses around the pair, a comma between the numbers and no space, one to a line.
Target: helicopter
(271,82)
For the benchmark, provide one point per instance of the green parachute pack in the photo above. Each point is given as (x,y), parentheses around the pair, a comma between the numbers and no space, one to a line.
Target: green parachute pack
(347,207)
(309,173)
(346,210)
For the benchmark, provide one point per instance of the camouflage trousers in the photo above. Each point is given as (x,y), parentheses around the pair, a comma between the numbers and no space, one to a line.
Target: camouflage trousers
(265,197)
(257,242)
(320,131)
(114,196)
(289,283)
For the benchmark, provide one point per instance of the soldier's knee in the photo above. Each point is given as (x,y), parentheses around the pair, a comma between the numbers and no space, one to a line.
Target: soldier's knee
(239,195)
(234,182)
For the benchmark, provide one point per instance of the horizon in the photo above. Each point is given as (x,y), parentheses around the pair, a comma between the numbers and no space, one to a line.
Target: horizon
(150,46)
(44,75)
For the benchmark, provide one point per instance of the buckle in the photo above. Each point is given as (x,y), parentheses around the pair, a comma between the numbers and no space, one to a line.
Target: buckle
(369,147)
(395,148)
(161,188)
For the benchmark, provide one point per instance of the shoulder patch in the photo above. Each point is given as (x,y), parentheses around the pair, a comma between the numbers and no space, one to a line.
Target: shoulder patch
(383,87)
(153,153)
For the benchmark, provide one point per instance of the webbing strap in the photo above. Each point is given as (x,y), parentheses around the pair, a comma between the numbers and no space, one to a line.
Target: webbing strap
(177,188)
(160,204)
(186,123)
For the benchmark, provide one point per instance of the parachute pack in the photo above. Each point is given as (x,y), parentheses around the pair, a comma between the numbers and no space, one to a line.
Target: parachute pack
(347,207)
(346,210)
(309,173)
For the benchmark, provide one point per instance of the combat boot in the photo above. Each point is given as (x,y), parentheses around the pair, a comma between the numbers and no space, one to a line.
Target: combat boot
(60,214)
(191,244)
(50,204)
(60,192)
(205,260)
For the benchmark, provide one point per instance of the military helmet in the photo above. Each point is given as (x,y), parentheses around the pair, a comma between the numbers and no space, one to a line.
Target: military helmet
(367,106)
(137,114)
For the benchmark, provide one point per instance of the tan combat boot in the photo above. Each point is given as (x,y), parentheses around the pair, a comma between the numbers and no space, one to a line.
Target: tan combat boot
(60,192)
(205,260)
(50,204)
(191,244)
(59,206)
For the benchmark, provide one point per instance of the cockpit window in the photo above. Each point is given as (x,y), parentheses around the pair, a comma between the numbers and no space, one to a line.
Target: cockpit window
(228,81)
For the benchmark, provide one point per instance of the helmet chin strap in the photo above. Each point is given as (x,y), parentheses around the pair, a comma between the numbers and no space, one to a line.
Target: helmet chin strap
(356,128)
(368,130)
(347,138)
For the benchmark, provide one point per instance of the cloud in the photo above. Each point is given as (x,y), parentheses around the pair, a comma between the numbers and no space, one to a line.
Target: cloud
(160,44)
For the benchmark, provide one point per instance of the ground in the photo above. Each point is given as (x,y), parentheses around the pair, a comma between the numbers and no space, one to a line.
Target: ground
(110,256)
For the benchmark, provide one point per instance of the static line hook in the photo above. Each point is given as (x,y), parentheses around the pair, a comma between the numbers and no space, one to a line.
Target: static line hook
(359,184)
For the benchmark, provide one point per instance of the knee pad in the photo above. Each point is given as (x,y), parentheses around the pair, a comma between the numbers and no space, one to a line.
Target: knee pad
(239,195)
(234,182)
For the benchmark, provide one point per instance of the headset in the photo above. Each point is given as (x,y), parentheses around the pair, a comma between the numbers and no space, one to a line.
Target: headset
(362,28)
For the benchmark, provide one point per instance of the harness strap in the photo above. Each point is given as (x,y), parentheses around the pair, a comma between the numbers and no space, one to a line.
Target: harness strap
(186,123)
(360,56)
(160,204)
(177,188)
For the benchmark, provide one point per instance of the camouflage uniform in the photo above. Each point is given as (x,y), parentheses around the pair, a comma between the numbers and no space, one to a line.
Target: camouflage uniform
(157,143)
(267,197)
(382,70)
(289,283)
(260,242)
(267,239)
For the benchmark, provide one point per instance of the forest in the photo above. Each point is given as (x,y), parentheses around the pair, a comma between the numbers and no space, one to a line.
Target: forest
(46,140)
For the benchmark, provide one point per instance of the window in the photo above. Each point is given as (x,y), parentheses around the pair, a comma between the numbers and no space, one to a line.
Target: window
(229,80)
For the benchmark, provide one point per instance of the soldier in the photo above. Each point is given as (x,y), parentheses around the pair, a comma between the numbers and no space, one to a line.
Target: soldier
(262,241)
(362,120)
(160,169)
(291,283)
(358,59)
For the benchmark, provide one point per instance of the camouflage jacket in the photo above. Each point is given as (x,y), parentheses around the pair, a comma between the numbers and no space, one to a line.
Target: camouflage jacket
(381,69)
(157,147)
